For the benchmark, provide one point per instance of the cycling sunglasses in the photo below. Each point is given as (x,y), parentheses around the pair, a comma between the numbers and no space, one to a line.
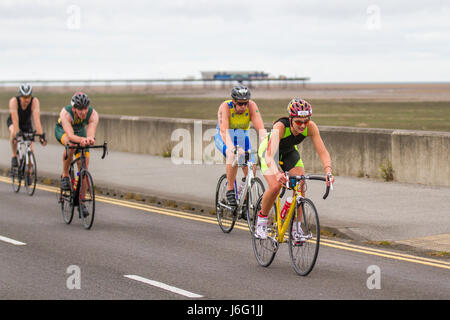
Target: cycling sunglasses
(300,122)
(242,103)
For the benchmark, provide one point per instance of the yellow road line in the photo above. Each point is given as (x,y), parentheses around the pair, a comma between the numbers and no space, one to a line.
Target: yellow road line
(387,254)
(406,256)
(243,226)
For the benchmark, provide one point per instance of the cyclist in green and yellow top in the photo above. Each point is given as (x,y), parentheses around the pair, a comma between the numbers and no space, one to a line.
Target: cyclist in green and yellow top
(234,117)
(71,129)
(280,147)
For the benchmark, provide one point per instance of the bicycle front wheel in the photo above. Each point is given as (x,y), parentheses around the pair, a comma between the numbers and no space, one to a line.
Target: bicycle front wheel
(15,175)
(86,205)
(225,217)
(304,237)
(67,208)
(265,249)
(255,192)
(30,174)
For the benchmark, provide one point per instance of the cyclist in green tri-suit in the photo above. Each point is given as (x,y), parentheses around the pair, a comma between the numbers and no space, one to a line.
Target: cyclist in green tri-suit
(280,148)
(71,128)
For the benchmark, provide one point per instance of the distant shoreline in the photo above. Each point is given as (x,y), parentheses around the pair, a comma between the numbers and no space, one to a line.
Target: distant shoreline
(400,91)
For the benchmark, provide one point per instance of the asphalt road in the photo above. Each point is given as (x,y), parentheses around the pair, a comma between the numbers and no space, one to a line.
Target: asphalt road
(137,252)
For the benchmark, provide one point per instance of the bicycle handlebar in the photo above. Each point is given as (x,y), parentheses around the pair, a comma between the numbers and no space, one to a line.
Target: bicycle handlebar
(246,155)
(309,177)
(29,136)
(77,146)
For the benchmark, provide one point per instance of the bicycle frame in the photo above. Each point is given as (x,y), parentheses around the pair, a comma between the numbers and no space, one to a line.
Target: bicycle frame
(247,185)
(24,141)
(81,170)
(24,147)
(248,180)
(82,158)
(283,225)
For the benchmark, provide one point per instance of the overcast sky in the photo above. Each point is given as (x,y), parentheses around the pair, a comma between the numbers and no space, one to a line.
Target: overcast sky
(329,41)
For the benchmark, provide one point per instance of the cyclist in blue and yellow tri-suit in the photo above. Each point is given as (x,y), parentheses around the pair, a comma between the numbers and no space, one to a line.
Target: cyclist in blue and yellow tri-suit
(234,118)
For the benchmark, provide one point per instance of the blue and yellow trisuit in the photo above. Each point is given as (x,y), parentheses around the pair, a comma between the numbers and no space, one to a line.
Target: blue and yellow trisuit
(238,129)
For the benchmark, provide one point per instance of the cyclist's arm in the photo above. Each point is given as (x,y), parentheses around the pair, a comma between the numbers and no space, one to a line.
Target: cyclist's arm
(257,121)
(66,122)
(324,156)
(224,123)
(272,147)
(14,114)
(92,127)
(36,110)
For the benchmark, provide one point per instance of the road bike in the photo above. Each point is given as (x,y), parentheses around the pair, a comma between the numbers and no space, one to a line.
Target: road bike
(246,195)
(26,169)
(301,218)
(82,189)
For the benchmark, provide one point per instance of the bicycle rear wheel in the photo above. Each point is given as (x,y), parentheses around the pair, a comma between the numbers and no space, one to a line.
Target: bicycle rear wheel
(226,218)
(304,249)
(30,174)
(265,249)
(256,191)
(87,199)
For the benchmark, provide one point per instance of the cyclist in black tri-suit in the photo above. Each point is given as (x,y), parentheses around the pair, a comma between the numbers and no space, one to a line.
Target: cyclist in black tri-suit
(22,108)
(280,148)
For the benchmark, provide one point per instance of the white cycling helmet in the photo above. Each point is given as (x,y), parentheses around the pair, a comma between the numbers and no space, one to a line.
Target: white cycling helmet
(25,89)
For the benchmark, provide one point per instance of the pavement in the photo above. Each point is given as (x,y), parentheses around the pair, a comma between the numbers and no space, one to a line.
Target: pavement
(408,216)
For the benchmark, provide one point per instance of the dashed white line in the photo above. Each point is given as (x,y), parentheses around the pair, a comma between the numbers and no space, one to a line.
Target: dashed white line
(164,286)
(12,241)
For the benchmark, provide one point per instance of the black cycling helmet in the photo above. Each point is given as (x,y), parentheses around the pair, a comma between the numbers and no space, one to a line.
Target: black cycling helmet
(80,100)
(25,90)
(240,93)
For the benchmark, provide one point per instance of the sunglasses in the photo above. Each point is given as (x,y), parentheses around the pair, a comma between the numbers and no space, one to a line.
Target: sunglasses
(300,122)
(242,103)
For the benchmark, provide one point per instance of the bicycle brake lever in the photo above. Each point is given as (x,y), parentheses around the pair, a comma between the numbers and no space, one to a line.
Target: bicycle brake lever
(331,183)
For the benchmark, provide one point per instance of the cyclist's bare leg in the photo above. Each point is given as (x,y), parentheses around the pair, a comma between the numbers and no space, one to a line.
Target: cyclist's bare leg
(11,140)
(270,195)
(230,170)
(231,175)
(66,163)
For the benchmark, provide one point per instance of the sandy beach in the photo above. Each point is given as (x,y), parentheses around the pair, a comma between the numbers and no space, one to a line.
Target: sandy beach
(365,91)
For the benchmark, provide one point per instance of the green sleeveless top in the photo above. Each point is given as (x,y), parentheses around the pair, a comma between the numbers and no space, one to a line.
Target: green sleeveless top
(77,124)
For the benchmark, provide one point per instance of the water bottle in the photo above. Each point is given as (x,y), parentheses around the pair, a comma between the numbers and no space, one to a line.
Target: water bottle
(285,209)
(75,180)
(241,187)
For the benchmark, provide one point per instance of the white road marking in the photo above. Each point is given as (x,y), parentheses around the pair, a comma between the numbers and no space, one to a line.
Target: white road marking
(164,286)
(12,241)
